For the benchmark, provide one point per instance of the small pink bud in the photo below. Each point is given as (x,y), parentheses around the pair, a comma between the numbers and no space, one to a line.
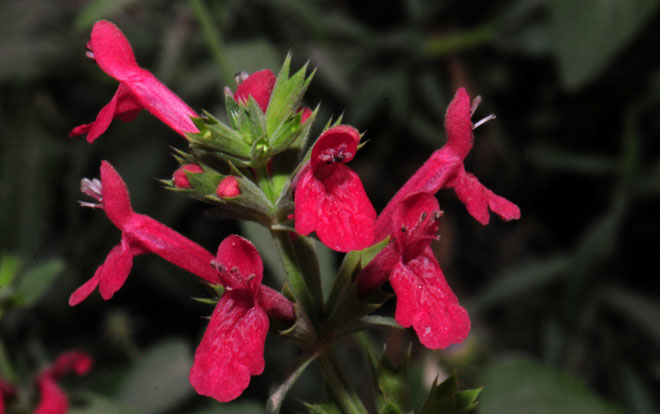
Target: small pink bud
(180,178)
(228,187)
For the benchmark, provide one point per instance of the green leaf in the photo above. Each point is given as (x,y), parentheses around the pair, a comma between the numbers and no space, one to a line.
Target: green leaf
(445,398)
(519,281)
(159,380)
(241,407)
(323,409)
(391,382)
(285,100)
(97,10)
(9,267)
(523,386)
(97,404)
(641,310)
(252,55)
(588,34)
(285,381)
(560,160)
(215,135)
(34,282)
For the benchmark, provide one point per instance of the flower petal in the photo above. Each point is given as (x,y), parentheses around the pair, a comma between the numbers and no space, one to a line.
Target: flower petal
(52,398)
(231,350)
(258,85)
(425,302)
(112,51)
(114,271)
(76,361)
(458,123)
(478,199)
(164,104)
(337,208)
(86,289)
(115,198)
(243,265)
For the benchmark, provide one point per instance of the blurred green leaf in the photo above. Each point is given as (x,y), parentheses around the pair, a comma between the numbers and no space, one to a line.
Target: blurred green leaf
(285,381)
(159,380)
(519,281)
(520,385)
(560,160)
(97,404)
(588,34)
(34,282)
(445,398)
(97,10)
(641,310)
(9,266)
(243,407)
(323,409)
(253,55)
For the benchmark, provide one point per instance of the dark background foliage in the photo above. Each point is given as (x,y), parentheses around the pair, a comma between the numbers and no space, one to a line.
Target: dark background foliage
(564,302)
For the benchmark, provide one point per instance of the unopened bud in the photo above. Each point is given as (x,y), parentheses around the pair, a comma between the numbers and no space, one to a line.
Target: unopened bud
(180,178)
(228,187)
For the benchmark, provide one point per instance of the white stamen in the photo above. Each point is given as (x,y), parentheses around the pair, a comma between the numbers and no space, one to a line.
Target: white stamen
(475,104)
(90,205)
(483,121)
(89,54)
(240,77)
(94,189)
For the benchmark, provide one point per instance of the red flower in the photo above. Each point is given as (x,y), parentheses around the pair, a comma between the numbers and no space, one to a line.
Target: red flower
(53,400)
(424,299)
(138,88)
(445,169)
(6,391)
(139,234)
(233,345)
(259,85)
(329,196)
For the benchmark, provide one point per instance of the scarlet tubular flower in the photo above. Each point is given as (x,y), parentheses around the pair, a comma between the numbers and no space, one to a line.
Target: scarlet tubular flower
(232,348)
(445,169)
(6,391)
(424,299)
(52,398)
(329,196)
(139,234)
(142,234)
(258,85)
(138,88)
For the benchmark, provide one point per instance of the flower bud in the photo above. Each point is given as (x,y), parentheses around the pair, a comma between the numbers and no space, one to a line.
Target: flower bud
(228,187)
(180,178)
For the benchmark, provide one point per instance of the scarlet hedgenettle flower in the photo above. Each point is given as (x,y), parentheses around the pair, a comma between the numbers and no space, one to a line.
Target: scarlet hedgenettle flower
(259,85)
(139,234)
(424,299)
(138,88)
(329,196)
(6,391)
(232,348)
(181,179)
(52,398)
(445,169)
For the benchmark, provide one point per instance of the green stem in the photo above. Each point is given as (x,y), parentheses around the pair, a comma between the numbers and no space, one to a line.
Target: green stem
(446,44)
(213,39)
(306,292)
(264,181)
(336,380)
